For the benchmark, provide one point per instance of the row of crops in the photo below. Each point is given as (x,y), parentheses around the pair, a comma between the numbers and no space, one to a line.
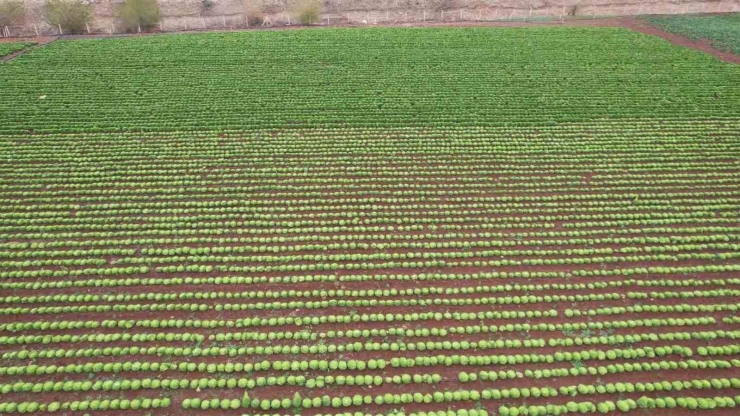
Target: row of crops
(442,222)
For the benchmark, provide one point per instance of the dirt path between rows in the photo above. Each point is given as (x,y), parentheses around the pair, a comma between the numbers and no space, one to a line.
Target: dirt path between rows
(40,41)
(628,22)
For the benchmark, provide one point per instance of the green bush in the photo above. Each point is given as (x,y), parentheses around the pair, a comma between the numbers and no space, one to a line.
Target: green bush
(10,11)
(71,15)
(139,14)
(308,11)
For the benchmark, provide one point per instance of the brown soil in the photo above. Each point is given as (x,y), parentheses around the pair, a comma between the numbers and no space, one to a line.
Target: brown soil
(40,40)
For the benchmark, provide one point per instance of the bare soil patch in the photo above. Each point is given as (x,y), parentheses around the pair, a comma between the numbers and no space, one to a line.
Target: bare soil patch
(40,40)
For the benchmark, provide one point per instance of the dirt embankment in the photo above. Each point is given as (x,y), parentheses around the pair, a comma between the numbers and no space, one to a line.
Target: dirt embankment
(179,15)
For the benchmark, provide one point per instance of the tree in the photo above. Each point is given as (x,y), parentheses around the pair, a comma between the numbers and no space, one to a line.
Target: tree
(254,13)
(139,14)
(308,11)
(70,15)
(10,11)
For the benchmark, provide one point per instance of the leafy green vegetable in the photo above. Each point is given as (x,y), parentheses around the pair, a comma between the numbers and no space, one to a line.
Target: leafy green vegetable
(722,30)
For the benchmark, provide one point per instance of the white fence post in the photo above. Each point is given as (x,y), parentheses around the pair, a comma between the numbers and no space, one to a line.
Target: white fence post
(60,28)
(36,29)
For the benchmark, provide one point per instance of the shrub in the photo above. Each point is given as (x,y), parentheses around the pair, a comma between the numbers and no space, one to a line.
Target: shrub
(71,15)
(308,11)
(10,11)
(255,15)
(135,14)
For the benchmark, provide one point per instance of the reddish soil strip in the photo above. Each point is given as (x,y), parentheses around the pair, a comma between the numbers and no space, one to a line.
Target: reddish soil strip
(40,40)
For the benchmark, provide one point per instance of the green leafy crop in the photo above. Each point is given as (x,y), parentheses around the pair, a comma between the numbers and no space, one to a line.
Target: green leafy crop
(723,31)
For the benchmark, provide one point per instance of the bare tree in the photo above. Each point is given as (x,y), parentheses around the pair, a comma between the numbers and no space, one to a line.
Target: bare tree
(571,7)
(530,5)
(438,5)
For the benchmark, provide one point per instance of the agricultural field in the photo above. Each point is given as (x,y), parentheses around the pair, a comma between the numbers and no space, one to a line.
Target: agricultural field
(447,221)
(723,30)
(9,47)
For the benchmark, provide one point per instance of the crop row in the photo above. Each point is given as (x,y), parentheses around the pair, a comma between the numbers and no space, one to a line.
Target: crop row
(82,405)
(367,304)
(367,334)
